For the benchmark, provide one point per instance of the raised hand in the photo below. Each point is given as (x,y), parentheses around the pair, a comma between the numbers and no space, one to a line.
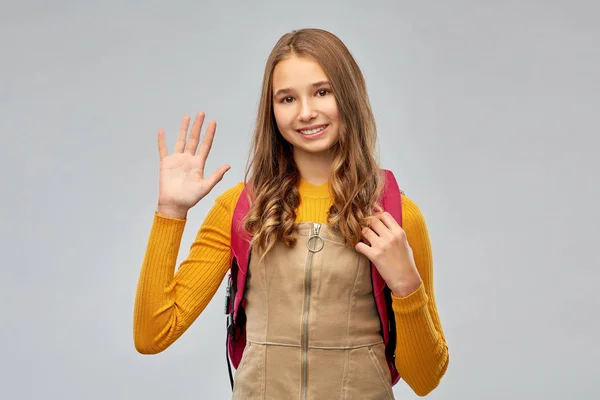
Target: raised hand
(181,183)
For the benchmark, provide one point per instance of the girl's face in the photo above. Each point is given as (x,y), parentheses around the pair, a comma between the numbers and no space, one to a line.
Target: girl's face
(304,106)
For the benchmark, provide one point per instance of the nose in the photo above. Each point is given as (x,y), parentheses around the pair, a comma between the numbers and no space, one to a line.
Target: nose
(307,111)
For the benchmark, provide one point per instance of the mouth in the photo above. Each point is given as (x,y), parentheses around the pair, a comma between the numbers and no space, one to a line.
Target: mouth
(316,130)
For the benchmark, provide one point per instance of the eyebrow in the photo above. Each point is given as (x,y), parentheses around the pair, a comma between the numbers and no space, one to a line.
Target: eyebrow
(289,90)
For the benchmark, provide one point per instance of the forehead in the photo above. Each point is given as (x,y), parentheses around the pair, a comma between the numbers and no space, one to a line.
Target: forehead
(297,72)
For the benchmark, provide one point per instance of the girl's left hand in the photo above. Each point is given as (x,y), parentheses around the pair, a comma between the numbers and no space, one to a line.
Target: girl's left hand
(387,247)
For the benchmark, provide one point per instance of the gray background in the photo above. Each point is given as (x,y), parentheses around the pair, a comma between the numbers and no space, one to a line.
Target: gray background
(487,113)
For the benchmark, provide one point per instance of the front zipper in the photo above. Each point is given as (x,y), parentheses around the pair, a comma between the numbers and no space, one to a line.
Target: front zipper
(317,245)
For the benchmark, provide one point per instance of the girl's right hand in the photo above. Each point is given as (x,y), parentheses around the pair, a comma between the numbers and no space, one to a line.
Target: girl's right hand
(181,183)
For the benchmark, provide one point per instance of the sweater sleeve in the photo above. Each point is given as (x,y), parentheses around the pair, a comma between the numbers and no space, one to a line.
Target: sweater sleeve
(168,302)
(421,351)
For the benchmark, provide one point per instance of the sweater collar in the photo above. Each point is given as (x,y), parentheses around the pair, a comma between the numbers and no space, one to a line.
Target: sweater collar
(307,189)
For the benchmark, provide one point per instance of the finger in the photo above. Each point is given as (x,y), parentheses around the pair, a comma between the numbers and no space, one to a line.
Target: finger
(379,227)
(371,236)
(162,145)
(390,222)
(207,144)
(180,144)
(192,143)
(218,175)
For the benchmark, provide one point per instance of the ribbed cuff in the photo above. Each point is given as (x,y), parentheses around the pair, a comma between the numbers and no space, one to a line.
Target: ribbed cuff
(411,303)
(169,229)
(162,217)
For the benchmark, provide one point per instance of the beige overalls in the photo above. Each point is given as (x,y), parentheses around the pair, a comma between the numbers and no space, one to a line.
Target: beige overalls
(312,324)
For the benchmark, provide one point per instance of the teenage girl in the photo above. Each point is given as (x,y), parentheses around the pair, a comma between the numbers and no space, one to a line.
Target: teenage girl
(312,327)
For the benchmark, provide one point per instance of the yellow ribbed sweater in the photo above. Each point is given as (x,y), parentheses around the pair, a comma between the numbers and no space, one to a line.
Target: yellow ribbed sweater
(169,301)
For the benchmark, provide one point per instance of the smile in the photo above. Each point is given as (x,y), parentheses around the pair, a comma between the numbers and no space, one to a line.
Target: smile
(315,131)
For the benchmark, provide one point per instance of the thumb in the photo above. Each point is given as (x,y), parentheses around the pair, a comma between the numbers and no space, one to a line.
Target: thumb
(218,175)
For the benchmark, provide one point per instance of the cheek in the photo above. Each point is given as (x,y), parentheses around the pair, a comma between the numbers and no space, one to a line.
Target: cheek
(332,111)
(283,117)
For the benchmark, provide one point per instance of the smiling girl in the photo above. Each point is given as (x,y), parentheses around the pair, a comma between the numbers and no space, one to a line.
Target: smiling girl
(316,228)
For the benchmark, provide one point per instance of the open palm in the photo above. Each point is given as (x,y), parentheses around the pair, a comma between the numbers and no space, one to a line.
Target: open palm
(182,181)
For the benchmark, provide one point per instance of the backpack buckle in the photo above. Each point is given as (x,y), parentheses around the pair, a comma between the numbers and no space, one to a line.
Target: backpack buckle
(229,306)
(228,296)
(230,323)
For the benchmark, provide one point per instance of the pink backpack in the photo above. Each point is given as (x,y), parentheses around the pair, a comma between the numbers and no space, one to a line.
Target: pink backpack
(239,260)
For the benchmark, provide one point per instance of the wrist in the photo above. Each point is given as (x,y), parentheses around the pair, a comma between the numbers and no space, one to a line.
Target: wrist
(406,287)
(171,211)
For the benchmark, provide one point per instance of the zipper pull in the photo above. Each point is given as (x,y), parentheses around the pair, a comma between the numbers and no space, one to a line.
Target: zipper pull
(316,239)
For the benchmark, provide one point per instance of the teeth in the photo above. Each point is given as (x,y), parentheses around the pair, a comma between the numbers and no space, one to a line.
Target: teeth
(313,131)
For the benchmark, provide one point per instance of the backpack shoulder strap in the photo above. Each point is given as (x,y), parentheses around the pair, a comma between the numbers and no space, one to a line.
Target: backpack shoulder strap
(391,201)
(238,264)
(391,196)
(240,249)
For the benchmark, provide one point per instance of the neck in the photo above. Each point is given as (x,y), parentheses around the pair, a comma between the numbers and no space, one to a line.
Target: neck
(313,167)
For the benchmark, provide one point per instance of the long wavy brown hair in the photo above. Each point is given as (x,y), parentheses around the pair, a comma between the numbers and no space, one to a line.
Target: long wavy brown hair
(354,177)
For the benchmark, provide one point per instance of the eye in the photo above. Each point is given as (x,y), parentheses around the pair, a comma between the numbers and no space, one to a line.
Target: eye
(323,92)
(284,100)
